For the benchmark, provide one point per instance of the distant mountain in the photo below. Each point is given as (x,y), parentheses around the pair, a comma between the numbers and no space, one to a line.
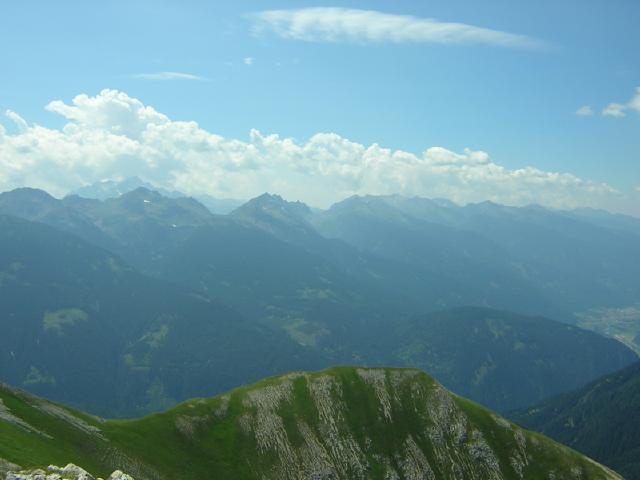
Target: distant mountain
(601,419)
(107,189)
(530,259)
(574,261)
(329,300)
(143,223)
(342,424)
(219,206)
(608,220)
(501,359)
(38,206)
(164,342)
(289,221)
(76,320)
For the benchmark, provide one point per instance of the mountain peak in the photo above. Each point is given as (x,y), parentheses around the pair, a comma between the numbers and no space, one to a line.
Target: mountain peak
(28,193)
(272,205)
(114,188)
(30,203)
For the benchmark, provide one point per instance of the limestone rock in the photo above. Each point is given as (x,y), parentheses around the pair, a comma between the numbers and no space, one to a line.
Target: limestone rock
(69,472)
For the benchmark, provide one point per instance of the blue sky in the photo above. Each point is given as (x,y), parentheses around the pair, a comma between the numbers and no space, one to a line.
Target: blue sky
(511,89)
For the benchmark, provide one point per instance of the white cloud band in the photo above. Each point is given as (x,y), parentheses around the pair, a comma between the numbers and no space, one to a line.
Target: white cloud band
(168,76)
(323,24)
(113,135)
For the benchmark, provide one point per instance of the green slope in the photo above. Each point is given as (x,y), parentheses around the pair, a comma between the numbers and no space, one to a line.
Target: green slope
(343,423)
(601,419)
(502,359)
(76,320)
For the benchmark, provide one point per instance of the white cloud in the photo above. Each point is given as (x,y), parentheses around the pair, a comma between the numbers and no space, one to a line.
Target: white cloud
(17,119)
(614,110)
(111,111)
(620,110)
(585,111)
(248,61)
(634,103)
(113,135)
(168,76)
(333,24)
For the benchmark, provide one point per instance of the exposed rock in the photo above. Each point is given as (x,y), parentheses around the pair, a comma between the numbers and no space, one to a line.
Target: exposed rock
(46,407)
(118,475)
(63,414)
(6,467)
(342,424)
(69,472)
(189,425)
(377,379)
(7,416)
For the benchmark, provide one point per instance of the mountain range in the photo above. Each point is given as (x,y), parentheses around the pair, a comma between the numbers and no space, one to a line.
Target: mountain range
(225,314)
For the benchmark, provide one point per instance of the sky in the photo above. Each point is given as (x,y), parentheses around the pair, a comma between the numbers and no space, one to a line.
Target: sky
(511,101)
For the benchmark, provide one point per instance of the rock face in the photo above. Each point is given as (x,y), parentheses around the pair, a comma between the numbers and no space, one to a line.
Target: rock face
(391,424)
(70,472)
(340,424)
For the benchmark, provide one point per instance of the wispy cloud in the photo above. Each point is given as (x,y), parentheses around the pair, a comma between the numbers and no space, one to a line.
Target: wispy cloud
(17,119)
(614,110)
(634,103)
(585,111)
(248,61)
(332,24)
(620,109)
(168,76)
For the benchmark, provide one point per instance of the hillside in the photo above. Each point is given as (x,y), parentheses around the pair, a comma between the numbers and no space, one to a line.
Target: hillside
(601,419)
(431,252)
(343,423)
(502,359)
(575,261)
(77,320)
(185,303)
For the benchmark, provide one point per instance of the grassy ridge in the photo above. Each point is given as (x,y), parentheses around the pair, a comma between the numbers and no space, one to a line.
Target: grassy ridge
(340,423)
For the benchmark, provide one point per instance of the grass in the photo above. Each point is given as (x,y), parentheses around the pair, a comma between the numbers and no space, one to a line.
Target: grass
(205,438)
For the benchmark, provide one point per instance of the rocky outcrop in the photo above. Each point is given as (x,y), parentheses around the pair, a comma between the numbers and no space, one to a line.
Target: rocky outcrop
(69,472)
(340,424)
(436,434)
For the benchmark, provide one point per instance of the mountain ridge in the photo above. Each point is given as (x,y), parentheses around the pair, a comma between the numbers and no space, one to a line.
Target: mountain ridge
(340,423)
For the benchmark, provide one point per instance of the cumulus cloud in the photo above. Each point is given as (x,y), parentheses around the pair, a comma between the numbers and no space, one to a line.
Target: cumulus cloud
(111,111)
(168,76)
(620,110)
(634,103)
(114,135)
(614,110)
(585,111)
(334,24)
